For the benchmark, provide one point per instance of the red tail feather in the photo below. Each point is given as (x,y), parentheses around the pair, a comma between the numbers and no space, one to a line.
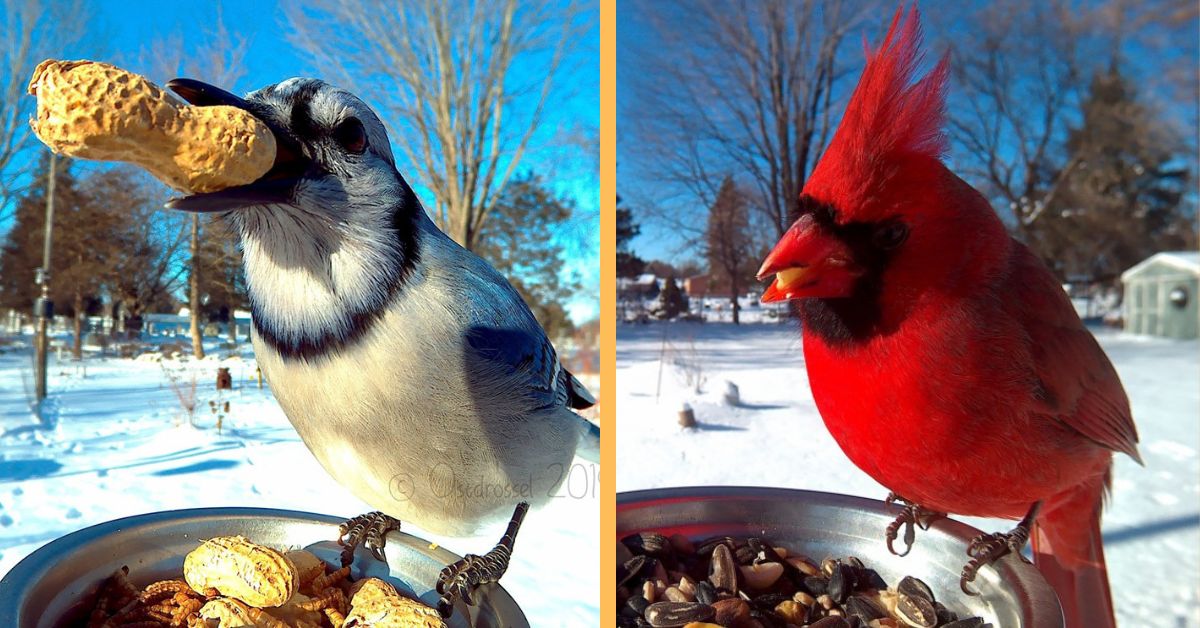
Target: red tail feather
(1068,552)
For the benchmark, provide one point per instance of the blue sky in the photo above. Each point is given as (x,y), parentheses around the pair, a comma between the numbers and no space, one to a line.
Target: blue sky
(123,33)
(640,47)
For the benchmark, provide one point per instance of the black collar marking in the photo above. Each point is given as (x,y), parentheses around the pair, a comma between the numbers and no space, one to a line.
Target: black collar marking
(355,323)
(855,318)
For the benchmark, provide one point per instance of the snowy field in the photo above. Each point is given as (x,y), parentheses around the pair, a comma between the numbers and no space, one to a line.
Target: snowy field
(1152,524)
(117,442)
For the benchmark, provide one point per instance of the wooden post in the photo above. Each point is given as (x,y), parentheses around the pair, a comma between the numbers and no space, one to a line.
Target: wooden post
(687,417)
(45,307)
(224,379)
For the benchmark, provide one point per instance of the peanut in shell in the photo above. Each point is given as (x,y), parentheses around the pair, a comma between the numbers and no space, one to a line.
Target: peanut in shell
(241,569)
(98,111)
(376,604)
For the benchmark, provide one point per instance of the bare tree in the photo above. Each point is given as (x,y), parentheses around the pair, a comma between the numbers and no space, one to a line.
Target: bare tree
(747,90)
(1013,98)
(1163,30)
(451,76)
(220,61)
(31,31)
(86,244)
(1127,192)
(730,248)
(150,269)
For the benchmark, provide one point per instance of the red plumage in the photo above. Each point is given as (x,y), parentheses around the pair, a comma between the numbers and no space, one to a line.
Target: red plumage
(950,365)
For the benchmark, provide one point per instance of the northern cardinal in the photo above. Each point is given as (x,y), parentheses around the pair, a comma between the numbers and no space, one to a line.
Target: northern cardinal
(944,357)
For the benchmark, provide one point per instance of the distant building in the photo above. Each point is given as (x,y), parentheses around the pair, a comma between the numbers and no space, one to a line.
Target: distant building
(1161,295)
(642,287)
(701,286)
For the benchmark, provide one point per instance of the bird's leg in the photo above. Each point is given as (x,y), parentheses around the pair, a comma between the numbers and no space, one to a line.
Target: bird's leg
(986,549)
(458,580)
(911,517)
(369,530)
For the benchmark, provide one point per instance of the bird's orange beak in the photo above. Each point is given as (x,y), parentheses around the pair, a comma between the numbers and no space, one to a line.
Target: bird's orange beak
(809,262)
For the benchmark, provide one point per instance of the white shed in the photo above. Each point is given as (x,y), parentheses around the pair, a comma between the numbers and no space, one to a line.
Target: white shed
(1161,295)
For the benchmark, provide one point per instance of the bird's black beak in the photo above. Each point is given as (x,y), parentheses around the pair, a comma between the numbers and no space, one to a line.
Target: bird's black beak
(274,187)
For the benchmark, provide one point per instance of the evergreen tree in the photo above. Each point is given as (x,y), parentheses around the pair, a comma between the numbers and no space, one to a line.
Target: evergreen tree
(526,240)
(84,247)
(671,301)
(1125,198)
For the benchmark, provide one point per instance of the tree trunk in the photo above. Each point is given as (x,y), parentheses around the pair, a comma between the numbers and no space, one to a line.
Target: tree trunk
(77,348)
(737,308)
(194,291)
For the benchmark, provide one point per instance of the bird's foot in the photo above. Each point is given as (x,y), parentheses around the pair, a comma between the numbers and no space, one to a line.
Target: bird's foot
(911,517)
(457,581)
(986,549)
(370,531)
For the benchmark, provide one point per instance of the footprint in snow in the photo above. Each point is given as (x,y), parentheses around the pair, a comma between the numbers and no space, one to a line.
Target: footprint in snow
(6,520)
(74,514)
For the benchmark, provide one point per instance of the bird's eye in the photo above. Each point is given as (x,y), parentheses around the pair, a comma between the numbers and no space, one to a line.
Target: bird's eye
(891,235)
(351,136)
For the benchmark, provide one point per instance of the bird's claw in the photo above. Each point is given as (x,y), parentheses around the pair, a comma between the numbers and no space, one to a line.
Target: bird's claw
(986,549)
(458,580)
(370,531)
(910,535)
(911,517)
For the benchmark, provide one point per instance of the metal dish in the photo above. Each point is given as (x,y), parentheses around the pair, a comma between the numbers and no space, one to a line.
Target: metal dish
(1012,593)
(54,584)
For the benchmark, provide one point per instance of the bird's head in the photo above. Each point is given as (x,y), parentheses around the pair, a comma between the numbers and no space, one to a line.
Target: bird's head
(332,150)
(881,218)
(332,231)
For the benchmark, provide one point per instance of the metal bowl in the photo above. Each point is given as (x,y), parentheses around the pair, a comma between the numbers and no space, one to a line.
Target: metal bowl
(56,584)
(1012,593)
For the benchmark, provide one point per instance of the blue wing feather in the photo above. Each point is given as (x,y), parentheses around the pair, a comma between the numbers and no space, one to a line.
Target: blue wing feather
(534,358)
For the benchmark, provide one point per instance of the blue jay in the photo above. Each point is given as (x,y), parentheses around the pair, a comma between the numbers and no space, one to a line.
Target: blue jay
(410,367)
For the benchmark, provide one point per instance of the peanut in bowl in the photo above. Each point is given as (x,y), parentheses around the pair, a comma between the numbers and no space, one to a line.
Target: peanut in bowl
(57,585)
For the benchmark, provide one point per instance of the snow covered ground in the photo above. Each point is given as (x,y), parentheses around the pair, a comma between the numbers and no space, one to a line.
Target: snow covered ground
(116,442)
(1152,524)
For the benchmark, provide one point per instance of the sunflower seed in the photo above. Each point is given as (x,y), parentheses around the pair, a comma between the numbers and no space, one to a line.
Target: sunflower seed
(648,543)
(913,587)
(917,612)
(841,582)
(630,569)
(863,608)
(664,614)
(722,572)
(816,586)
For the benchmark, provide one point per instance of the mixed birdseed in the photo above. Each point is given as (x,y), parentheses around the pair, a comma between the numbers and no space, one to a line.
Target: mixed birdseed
(750,583)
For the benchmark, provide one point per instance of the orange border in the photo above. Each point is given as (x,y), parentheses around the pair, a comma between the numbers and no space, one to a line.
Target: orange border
(608,310)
